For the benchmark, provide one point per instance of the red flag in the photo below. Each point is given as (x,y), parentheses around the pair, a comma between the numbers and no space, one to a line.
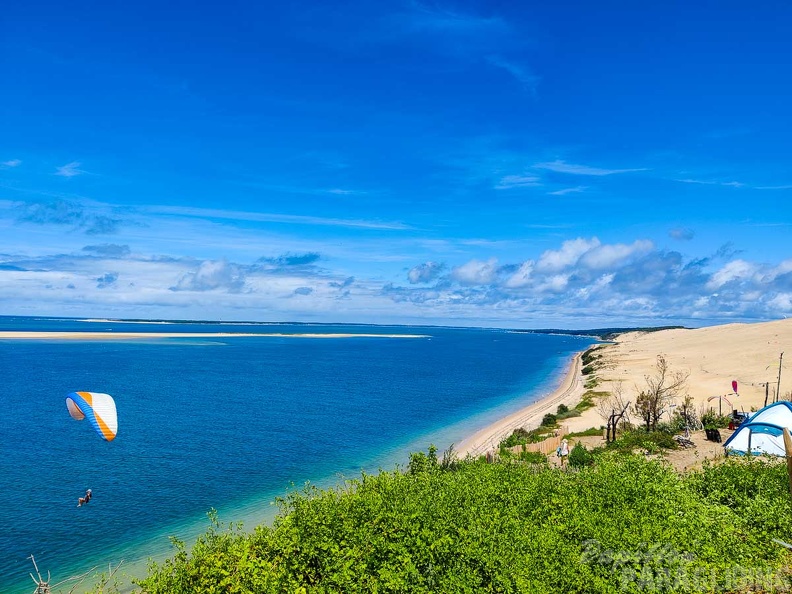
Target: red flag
(734,386)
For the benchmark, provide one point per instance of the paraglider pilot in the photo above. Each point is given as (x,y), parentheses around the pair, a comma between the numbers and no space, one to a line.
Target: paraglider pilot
(85,499)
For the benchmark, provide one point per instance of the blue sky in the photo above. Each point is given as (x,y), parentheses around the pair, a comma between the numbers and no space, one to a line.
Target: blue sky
(564,164)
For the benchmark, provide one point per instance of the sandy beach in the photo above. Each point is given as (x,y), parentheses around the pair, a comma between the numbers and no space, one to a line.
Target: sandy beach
(568,392)
(714,356)
(140,335)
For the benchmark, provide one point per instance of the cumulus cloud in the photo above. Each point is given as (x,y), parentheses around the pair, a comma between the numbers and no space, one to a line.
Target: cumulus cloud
(424,273)
(476,272)
(607,256)
(736,270)
(628,281)
(569,254)
(212,275)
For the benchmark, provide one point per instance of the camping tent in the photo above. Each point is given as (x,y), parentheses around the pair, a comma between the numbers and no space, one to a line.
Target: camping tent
(763,432)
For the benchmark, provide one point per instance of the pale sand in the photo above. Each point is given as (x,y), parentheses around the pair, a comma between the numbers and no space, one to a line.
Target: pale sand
(568,392)
(139,335)
(714,356)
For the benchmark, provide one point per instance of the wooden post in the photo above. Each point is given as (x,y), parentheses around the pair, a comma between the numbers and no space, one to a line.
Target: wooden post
(788,448)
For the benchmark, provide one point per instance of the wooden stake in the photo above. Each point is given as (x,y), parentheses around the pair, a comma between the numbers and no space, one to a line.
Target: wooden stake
(788,448)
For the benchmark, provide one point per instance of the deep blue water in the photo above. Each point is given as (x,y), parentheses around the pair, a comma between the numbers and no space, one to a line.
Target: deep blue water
(229,424)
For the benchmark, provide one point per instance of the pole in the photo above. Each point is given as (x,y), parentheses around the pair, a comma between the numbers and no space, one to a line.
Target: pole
(788,450)
(778,386)
(767,391)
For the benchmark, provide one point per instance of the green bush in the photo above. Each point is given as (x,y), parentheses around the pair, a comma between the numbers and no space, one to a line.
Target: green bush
(580,456)
(588,432)
(712,420)
(617,526)
(549,420)
(562,408)
(653,441)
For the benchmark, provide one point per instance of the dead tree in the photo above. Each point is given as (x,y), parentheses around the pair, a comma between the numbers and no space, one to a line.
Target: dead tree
(661,390)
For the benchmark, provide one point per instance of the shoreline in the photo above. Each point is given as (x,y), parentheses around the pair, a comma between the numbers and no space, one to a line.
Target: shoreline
(13,335)
(569,390)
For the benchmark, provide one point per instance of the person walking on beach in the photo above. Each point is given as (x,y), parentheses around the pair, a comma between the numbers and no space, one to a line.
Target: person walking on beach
(563,451)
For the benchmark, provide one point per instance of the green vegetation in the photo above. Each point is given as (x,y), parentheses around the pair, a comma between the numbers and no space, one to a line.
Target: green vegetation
(619,524)
(591,431)
(712,420)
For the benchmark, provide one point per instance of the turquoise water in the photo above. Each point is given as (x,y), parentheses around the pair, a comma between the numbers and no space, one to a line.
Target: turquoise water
(229,424)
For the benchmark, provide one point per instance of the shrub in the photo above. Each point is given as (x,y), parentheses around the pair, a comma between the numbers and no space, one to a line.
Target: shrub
(507,528)
(549,420)
(580,456)
(562,408)
(712,420)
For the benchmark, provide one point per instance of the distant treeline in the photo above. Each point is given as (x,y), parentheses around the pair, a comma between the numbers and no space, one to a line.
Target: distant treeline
(601,333)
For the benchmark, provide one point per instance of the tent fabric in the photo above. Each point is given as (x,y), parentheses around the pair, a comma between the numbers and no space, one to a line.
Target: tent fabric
(763,432)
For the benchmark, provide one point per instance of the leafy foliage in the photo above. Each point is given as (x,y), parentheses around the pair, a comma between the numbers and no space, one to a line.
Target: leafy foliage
(500,527)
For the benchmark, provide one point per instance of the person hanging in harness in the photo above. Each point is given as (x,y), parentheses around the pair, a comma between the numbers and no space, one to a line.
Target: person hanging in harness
(85,499)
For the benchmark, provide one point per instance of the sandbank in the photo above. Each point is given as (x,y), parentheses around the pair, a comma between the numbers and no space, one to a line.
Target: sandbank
(138,335)
(568,392)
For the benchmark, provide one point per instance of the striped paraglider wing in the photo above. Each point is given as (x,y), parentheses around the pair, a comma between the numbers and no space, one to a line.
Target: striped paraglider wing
(98,408)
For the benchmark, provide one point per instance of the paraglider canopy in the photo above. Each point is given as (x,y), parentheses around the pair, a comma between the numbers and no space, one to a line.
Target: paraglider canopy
(99,408)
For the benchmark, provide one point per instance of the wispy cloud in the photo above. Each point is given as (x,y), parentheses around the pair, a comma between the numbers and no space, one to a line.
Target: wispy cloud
(706,182)
(527,79)
(437,19)
(563,167)
(65,212)
(10,164)
(786,187)
(69,170)
(565,191)
(518,181)
(212,213)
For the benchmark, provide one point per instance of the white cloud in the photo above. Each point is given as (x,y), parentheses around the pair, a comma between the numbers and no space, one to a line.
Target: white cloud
(10,163)
(521,278)
(564,167)
(731,184)
(565,191)
(70,169)
(424,273)
(212,275)
(476,272)
(518,181)
(734,270)
(610,255)
(237,215)
(570,252)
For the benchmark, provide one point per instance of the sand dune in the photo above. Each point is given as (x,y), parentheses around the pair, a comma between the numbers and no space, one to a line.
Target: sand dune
(713,356)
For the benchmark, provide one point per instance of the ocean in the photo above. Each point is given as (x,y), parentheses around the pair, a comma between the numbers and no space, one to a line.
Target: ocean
(230,424)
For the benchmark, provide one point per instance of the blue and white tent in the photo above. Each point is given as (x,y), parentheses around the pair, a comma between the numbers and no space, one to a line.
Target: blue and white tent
(762,432)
